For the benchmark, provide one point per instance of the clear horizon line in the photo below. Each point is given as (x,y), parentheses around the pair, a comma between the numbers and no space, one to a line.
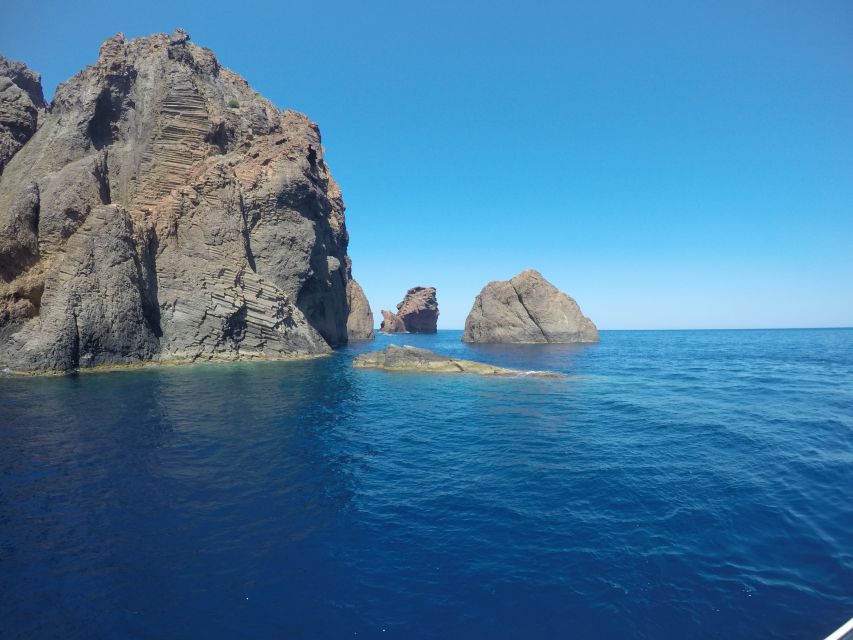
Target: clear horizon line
(828,327)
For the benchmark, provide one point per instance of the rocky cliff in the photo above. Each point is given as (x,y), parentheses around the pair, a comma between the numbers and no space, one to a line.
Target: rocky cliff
(21,101)
(526,308)
(160,209)
(360,319)
(417,313)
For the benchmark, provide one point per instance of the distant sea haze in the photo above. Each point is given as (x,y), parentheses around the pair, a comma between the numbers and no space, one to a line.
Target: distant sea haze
(677,484)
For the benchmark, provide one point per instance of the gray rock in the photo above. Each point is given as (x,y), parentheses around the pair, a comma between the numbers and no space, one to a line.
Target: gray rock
(360,319)
(164,211)
(21,99)
(417,313)
(526,308)
(406,358)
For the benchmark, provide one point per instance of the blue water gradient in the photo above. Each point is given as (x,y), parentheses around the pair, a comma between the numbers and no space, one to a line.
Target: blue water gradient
(680,484)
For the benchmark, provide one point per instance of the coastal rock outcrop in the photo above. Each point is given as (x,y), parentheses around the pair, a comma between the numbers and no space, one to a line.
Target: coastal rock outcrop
(406,358)
(417,313)
(21,100)
(391,323)
(161,210)
(526,308)
(360,319)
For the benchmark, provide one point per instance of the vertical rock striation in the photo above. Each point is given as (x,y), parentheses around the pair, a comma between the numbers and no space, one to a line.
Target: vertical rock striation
(159,209)
(526,308)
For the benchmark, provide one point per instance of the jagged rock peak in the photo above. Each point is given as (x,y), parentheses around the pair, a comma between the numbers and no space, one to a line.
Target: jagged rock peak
(526,308)
(220,207)
(417,313)
(25,78)
(21,100)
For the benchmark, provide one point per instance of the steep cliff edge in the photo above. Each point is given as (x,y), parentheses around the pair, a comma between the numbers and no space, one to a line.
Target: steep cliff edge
(162,210)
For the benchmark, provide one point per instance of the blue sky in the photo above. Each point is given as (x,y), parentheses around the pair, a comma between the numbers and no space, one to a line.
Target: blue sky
(669,164)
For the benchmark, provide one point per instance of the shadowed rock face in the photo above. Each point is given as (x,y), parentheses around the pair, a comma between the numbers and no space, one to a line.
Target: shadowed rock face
(162,210)
(526,308)
(417,313)
(360,319)
(406,358)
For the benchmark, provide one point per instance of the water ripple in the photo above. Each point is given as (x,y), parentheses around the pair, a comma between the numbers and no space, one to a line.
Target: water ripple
(678,484)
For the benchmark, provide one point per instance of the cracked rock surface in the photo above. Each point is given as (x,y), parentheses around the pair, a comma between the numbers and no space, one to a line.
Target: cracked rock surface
(526,308)
(417,313)
(161,210)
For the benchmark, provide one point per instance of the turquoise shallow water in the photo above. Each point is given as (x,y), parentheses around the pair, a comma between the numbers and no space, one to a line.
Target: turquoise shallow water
(694,484)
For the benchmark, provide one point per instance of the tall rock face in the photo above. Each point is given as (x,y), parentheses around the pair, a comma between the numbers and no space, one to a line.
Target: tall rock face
(360,319)
(162,210)
(526,308)
(417,313)
(21,100)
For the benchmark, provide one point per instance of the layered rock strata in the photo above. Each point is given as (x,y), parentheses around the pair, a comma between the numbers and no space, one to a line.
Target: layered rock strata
(162,210)
(417,313)
(526,308)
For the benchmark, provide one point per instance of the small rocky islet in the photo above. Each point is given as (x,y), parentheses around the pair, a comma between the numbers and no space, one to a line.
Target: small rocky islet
(417,313)
(160,210)
(527,309)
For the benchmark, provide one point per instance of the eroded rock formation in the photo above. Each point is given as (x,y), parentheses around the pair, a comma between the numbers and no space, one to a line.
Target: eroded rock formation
(360,319)
(526,308)
(391,323)
(162,210)
(21,100)
(417,313)
(407,358)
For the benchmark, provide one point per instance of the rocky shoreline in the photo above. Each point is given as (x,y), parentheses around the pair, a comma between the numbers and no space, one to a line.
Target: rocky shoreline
(164,362)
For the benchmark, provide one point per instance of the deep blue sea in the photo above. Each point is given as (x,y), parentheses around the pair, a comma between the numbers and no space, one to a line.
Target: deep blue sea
(680,484)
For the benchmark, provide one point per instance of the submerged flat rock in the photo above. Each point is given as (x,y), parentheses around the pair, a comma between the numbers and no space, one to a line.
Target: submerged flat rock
(406,358)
